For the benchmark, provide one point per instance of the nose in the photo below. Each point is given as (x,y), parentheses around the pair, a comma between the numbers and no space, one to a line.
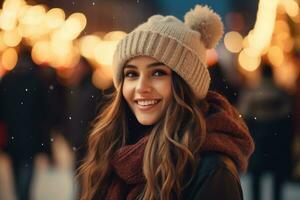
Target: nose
(143,85)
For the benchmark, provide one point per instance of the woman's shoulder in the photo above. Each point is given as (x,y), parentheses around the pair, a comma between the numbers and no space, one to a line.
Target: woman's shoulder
(216,177)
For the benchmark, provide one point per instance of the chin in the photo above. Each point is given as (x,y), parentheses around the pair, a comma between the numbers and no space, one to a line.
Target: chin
(147,122)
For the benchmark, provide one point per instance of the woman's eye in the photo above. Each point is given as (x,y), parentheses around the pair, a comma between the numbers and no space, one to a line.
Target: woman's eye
(130,74)
(159,73)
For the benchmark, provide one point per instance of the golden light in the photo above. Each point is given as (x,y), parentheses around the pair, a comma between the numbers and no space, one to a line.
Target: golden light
(2,71)
(104,52)
(286,76)
(9,59)
(281,26)
(33,31)
(72,27)
(12,38)
(249,60)
(33,15)
(288,44)
(291,7)
(41,52)
(13,5)
(260,37)
(275,56)
(114,36)
(61,47)
(87,45)
(101,79)
(2,44)
(55,18)
(66,60)
(8,20)
(233,41)
(9,14)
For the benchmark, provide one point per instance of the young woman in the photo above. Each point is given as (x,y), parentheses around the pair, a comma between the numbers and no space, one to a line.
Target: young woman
(163,135)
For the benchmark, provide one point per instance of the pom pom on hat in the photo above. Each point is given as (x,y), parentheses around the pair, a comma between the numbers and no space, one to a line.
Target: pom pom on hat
(207,23)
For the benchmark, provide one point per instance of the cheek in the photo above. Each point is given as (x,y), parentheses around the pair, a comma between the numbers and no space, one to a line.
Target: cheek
(166,90)
(127,91)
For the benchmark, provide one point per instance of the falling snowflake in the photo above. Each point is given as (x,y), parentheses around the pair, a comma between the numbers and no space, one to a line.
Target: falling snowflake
(74,148)
(255,118)
(51,139)
(12,137)
(70,118)
(26,90)
(51,87)
(240,116)
(22,102)
(93,3)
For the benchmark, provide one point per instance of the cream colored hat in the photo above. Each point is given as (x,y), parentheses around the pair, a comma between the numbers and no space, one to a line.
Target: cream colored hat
(180,46)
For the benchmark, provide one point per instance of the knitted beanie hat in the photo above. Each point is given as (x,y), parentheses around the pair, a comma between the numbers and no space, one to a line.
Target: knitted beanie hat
(179,45)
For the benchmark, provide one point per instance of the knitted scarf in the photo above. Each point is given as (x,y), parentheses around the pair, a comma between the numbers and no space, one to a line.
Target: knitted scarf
(226,133)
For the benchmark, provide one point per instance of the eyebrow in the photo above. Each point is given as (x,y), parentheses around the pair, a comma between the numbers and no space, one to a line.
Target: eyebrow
(155,64)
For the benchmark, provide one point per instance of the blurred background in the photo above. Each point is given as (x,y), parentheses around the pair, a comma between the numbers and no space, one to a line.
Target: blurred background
(55,68)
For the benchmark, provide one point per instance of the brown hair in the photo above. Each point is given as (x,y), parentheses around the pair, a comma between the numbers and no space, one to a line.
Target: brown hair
(171,153)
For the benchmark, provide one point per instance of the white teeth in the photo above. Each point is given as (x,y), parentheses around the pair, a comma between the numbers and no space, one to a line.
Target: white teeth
(147,102)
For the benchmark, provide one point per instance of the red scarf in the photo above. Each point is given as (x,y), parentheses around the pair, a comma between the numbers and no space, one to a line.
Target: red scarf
(227,133)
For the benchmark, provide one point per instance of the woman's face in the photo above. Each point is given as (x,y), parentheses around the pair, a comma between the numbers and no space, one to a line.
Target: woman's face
(147,88)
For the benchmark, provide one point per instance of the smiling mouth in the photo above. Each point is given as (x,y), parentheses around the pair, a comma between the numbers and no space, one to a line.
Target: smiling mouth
(146,104)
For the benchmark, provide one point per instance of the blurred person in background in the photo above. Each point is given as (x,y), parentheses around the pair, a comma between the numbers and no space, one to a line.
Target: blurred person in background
(78,105)
(23,98)
(267,111)
(164,135)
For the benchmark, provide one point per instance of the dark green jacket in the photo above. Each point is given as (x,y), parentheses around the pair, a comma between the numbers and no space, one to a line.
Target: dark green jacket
(216,178)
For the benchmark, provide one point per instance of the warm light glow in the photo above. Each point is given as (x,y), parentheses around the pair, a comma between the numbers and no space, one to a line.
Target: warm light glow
(87,45)
(249,60)
(211,57)
(13,5)
(2,44)
(34,15)
(41,52)
(9,59)
(233,41)
(275,56)
(281,26)
(55,18)
(288,45)
(291,7)
(260,37)
(8,20)
(72,27)
(61,47)
(104,52)
(101,79)
(66,60)
(114,36)
(9,14)
(12,38)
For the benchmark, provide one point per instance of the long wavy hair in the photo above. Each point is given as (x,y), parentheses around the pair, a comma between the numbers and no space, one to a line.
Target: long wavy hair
(171,154)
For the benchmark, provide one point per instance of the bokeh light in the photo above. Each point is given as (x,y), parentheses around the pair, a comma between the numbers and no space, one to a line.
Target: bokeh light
(233,41)
(9,58)
(249,60)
